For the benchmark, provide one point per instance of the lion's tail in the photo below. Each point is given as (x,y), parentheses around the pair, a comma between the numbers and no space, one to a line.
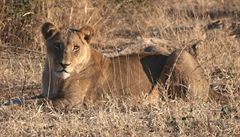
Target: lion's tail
(20,101)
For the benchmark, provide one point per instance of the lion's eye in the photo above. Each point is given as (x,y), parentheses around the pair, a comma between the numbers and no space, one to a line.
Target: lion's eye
(76,48)
(58,46)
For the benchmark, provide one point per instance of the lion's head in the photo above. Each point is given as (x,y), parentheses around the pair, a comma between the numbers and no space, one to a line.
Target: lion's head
(67,50)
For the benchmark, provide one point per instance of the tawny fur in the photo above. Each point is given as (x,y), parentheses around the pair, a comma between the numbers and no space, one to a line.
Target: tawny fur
(90,77)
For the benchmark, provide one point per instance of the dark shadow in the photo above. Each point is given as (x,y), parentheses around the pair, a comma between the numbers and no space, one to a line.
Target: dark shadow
(153,66)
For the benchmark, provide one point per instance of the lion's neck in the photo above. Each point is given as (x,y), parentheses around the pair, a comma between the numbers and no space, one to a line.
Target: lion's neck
(100,61)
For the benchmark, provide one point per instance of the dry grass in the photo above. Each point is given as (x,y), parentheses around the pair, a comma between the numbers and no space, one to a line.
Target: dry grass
(124,24)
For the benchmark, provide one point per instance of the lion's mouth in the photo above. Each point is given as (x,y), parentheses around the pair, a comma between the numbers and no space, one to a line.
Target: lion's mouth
(62,74)
(61,71)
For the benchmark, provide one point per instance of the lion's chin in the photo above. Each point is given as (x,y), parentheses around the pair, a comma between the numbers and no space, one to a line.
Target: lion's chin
(62,75)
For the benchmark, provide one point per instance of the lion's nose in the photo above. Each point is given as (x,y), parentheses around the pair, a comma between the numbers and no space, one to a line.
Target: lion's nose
(64,65)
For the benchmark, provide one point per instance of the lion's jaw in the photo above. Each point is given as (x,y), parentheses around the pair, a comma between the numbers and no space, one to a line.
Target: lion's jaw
(63,74)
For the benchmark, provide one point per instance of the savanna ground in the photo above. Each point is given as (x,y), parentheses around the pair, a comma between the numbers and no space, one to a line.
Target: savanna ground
(122,27)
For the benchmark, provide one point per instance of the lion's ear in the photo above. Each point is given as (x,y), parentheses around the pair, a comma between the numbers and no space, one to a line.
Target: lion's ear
(86,33)
(48,30)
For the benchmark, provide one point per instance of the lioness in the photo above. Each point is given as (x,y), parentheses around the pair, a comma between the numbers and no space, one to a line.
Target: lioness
(75,73)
